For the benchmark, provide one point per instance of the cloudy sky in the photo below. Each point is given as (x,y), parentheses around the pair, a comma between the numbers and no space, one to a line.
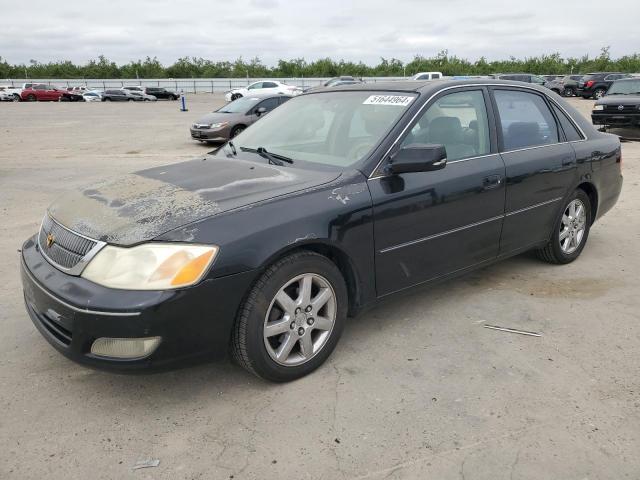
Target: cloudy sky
(354,30)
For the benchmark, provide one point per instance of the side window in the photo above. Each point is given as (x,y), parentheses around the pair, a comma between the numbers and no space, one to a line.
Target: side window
(423,77)
(568,127)
(435,76)
(40,87)
(269,85)
(525,120)
(269,104)
(255,86)
(537,80)
(458,121)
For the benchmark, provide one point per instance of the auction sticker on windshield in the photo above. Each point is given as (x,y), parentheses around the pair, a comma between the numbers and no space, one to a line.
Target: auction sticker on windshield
(388,100)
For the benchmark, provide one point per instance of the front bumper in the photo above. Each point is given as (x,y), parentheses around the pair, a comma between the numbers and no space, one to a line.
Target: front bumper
(210,135)
(71,313)
(628,119)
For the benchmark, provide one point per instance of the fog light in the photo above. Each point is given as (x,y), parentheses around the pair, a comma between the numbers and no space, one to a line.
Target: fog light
(125,347)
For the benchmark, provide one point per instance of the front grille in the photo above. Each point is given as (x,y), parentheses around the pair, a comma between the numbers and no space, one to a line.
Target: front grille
(62,246)
(625,109)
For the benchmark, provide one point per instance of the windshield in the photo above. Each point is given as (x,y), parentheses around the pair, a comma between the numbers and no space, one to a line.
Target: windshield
(626,87)
(240,105)
(336,128)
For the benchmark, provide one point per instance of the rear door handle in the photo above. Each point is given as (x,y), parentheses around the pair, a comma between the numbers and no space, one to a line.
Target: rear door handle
(492,181)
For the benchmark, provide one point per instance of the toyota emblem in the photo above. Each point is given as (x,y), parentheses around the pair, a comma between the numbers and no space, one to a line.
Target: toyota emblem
(620,107)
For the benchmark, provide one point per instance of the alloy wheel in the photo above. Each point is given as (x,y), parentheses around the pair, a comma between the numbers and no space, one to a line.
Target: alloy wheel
(573,226)
(300,319)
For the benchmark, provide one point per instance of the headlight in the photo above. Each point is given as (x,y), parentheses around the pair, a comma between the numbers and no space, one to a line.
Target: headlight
(218,125)
(598,107)
(152,266)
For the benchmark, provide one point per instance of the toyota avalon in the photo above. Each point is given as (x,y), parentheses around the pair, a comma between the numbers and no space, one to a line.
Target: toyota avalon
(333,201)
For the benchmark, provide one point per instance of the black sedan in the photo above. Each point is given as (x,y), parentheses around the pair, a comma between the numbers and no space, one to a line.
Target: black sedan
(620,106)
(335,200)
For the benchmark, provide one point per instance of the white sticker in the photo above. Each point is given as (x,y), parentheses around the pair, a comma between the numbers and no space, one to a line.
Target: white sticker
(401,100)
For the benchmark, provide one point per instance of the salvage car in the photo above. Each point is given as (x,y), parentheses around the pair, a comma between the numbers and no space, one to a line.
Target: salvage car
(119,95)
(41,92)
(570,84)
(234,117)
(620,106)
(92,96)
(270,87)
(13,93)
(336,200)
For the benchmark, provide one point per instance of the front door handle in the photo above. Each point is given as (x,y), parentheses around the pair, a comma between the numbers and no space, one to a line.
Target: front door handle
(491,182)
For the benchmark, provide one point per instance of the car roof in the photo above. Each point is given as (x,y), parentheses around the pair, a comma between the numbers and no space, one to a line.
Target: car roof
(424,86)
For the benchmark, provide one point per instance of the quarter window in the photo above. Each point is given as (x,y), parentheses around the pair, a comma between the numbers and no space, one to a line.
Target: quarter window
(255,86)
(568,127)
(458,121)
(525,120)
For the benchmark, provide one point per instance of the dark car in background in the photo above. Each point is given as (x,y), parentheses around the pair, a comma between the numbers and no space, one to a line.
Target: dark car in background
(334,201)
(231,119)
(162,93)
(595,85)
(520,77)
(620,106)
(113,95)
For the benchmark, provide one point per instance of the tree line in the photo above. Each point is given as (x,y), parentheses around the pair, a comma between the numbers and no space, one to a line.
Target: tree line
(196,67)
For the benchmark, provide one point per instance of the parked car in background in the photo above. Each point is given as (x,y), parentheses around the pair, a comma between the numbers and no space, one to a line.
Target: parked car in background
(620,106)
(520,77)
(162,93)
(550,78)
(12,92)
(42,93)
(267,87)
(118,95)
(555,86)
(570,84)
(5,97)
(427,76)
(333,202)
(68,96)
(231,119)
(92,96)
(140,92)
(595,85)
(337,80)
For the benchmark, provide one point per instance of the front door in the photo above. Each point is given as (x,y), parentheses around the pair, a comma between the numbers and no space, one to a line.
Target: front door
(429,224)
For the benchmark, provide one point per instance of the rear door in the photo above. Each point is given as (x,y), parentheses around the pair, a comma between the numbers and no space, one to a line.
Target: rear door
(539,164)
(429,224)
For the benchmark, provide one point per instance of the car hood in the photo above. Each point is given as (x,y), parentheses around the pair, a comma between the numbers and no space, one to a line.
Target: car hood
(619,100)
(143,205)
(216,117)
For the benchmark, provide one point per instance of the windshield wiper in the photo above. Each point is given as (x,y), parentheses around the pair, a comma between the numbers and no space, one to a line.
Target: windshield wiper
(273,158)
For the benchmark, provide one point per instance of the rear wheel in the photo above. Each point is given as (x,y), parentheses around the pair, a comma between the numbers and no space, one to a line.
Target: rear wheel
(16,97)
(571,231)
(292,318)
(31,97)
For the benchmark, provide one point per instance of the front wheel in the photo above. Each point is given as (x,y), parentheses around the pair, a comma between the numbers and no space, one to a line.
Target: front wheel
(569,92)
(292,318)
(571,231)
(31,97)
(16,97)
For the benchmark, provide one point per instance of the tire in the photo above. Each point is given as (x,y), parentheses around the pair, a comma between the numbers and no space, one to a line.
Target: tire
(599,93)
(573,229)
(31,98)
(236,96)
(130,100)
(106,99)
(261,349)
(569,92)
(237,130)
(16,97)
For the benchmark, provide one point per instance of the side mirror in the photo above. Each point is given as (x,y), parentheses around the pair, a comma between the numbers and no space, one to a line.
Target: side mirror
(260,111)
(418,157)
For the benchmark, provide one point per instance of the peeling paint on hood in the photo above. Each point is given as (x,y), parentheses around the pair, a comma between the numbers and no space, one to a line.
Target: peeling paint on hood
(143,205)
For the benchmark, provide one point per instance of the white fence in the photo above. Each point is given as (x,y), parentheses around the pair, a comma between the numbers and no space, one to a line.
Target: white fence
(186,85)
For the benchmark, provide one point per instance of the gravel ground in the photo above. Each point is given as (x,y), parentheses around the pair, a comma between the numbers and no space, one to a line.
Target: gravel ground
(416,388)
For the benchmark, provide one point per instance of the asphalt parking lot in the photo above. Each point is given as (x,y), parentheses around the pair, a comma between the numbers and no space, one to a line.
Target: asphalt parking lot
(416,388)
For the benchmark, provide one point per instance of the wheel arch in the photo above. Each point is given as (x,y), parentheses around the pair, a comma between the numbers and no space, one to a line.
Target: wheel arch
(336,255)
(591,191)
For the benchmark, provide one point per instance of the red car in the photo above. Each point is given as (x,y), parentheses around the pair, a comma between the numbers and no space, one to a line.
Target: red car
(42,93)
